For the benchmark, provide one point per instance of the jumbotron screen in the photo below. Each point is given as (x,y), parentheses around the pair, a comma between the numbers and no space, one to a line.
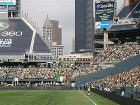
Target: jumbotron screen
(104,12)
(15,36)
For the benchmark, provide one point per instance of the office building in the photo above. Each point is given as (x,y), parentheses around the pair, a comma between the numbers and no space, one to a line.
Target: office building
(52,34)
(84,25)
(56,32)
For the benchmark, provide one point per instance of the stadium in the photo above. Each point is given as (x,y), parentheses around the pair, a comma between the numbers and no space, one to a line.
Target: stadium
(29,74)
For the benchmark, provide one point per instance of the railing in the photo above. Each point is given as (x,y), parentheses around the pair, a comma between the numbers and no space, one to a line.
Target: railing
(101,41)
(125,21)
(32,23)
(36,27)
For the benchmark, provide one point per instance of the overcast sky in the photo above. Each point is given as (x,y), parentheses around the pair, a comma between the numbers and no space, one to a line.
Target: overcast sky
(61,10)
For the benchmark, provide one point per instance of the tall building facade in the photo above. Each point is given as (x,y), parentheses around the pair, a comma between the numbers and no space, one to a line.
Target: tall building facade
(47,31)
(84,29)
(56,32)
(52,34)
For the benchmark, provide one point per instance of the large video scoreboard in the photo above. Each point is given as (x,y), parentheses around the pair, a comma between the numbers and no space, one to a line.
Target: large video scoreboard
(15,36)
(104,13)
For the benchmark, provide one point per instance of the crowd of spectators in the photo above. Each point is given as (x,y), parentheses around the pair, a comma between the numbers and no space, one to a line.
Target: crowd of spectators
(118,52)
(84,69)
(33,72)
(47,73)
(124,79)
(113,54)
(11,72)
(124,51)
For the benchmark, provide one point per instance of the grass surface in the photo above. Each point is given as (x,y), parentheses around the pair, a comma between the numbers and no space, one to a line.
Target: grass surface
(50,97)
(99,100)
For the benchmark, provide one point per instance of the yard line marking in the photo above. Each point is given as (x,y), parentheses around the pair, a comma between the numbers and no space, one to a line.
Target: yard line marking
(88,98)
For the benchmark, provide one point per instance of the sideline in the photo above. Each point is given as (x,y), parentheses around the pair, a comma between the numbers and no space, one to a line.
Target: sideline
(88,97)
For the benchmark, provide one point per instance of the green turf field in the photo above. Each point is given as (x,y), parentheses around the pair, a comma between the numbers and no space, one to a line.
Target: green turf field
(50,97)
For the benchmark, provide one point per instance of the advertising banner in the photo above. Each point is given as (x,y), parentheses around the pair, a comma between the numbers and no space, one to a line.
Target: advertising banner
(15,36)
(7,2)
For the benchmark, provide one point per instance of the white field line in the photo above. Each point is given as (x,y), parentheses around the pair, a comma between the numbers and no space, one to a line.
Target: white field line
(88,98)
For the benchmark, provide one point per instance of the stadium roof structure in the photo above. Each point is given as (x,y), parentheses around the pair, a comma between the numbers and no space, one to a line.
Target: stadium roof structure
(20,40)
(123,27)
(130,11)
(135,13)
(126,10)
(127,20)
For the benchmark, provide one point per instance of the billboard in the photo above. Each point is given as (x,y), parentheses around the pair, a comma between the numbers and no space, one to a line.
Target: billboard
(7,2)
(15,36)
(104,13)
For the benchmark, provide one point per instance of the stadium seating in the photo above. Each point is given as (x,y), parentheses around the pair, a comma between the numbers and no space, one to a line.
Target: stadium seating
(128,78)
(112,55)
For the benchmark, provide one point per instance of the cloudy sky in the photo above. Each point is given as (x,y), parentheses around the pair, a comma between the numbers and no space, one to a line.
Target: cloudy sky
(61,10)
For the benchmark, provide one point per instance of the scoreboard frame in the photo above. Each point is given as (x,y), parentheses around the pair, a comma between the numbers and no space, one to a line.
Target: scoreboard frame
(104,13)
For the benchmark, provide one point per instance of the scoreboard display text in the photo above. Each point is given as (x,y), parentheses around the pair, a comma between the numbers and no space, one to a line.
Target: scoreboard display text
(104,11)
